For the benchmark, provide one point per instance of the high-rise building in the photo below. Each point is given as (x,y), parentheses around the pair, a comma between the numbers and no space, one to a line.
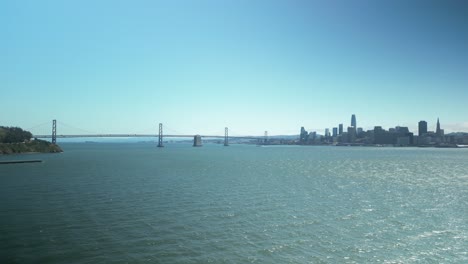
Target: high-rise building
(303,136)
(335,131)
(353,121)
(351,134)
(438,132)
(312,137)
(422,128)
(327,132)
(340,129)
(401,130)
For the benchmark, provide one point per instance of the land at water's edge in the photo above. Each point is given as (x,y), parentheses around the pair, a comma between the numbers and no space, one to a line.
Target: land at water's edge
(33,146)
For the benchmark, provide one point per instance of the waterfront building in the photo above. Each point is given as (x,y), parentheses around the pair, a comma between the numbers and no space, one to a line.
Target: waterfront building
(335,131)
(428,138)
(327,132)
(411,138)
(353,120)
(340,129)
(403,141)
(383,137)
(422,128)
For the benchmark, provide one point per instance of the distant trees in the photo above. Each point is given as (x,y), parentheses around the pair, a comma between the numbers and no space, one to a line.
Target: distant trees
(14,135)
(16,140)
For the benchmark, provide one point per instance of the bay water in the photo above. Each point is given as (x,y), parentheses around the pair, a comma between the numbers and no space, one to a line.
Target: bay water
(135,203)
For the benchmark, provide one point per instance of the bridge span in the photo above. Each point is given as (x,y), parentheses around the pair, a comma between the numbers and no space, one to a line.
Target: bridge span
(53,136)
(141,135)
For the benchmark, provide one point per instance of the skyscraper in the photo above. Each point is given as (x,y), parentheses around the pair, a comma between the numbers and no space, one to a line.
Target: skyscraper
(351,134)
(335,131)
(422,127)
(340,129)
(303,135)
(438,128)
(353,121)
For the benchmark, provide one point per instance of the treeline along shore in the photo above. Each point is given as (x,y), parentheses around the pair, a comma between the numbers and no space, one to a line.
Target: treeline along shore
(15,140)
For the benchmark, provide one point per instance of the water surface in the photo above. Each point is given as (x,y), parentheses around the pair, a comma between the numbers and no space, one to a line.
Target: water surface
(135,203)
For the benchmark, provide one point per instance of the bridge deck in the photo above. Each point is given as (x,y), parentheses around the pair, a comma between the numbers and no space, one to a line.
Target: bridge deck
(143,135)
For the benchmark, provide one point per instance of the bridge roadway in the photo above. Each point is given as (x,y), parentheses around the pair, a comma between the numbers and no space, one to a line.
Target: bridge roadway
(143,135)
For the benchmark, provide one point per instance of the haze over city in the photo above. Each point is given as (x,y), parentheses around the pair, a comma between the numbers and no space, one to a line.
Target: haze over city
(199,66)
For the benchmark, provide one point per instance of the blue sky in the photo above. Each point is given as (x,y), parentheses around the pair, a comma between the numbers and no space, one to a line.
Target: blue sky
(198,66)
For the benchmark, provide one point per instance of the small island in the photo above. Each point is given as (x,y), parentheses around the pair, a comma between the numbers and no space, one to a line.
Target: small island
(14,140)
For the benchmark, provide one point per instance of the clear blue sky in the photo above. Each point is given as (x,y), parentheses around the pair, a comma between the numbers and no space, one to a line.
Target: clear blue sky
(198,66)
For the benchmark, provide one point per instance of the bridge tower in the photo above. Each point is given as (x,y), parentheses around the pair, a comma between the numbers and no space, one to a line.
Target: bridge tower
(160,136)
(265,137)
(226,139)
(54,131)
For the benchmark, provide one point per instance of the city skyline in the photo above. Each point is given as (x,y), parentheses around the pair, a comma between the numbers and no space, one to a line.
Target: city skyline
(378,136)
(111,67)
(421,128)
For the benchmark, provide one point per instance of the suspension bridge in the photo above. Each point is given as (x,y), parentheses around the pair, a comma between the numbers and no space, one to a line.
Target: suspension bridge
(54,136)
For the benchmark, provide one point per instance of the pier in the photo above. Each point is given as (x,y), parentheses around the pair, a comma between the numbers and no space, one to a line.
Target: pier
(18,161)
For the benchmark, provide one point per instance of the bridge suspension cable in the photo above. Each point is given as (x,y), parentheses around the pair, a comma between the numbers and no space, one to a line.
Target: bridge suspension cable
(76,128)
(42,126)
(172,131)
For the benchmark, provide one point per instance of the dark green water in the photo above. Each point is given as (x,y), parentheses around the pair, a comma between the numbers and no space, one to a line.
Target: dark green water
(134,203)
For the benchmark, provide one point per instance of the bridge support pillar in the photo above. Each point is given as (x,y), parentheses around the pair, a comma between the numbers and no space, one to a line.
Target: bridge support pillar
(265,139)
(54,131)
(197,142)
(160,136)
(226,138)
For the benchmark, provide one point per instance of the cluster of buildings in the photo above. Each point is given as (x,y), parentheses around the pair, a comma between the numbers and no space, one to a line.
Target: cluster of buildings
(398,136)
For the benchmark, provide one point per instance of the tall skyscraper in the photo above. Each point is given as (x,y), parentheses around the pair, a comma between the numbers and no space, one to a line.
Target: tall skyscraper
(353,121)
(303,135)
(422,127)
(438,132)
(340,129)
(335,131)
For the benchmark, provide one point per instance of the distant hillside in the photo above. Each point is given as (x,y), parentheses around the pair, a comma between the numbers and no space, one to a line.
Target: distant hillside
(16,140)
